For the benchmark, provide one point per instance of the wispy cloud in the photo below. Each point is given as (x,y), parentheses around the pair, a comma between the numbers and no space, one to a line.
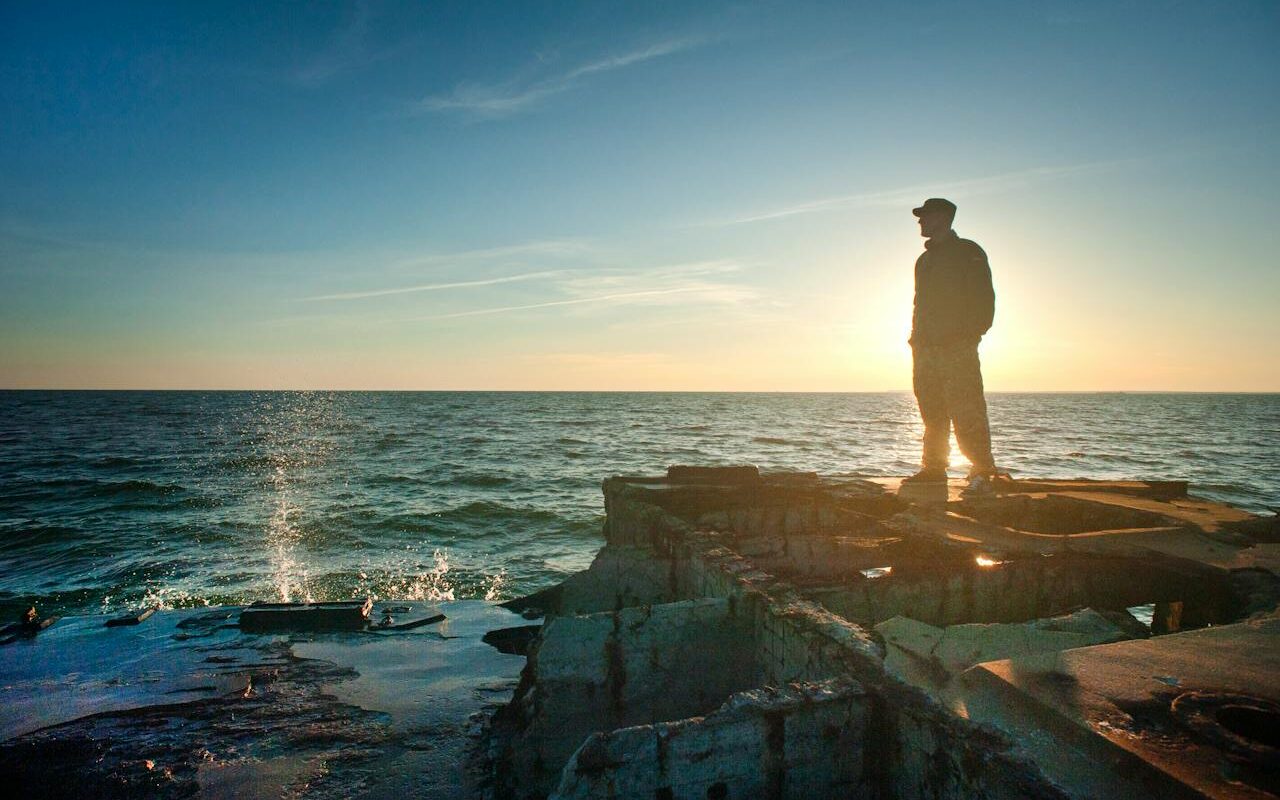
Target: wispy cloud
(671,285)
(432,287)
(347,48)
(546,252)
(351,47)
(560,248)
(695,274)
(913,194)
(513,96)
(577,301)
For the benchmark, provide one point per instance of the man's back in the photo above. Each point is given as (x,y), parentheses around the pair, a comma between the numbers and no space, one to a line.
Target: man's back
(954,299)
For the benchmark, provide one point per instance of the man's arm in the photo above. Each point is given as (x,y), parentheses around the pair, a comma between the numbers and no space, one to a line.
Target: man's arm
(982,293)
(915,303)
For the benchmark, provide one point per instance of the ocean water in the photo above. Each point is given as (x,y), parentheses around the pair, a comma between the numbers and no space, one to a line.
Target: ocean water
(112,500)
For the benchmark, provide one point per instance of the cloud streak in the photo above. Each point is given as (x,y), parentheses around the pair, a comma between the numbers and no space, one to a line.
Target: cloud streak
(514,96)
(544,247)
(605,298)
(544,252)
(433,287)
(913,194)
(679,283)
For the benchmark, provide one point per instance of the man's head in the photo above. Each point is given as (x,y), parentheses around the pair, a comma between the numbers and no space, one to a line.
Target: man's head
(936,216)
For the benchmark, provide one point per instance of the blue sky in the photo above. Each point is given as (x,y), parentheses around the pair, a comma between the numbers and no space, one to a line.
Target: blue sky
(631,196)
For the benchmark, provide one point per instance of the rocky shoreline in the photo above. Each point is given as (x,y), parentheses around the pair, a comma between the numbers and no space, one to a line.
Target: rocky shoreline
(739,635)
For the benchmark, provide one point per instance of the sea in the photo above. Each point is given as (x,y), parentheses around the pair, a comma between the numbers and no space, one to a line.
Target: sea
(118,500)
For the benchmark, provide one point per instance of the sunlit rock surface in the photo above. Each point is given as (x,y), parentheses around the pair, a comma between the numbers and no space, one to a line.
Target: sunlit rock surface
(790,636)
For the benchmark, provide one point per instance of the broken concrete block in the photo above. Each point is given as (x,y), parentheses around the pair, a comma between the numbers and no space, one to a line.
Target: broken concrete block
(962,646)
(800,741)
(637,665)
(909,646)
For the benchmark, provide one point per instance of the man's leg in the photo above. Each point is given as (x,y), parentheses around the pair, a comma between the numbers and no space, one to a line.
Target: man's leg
(928,378)
(968,406)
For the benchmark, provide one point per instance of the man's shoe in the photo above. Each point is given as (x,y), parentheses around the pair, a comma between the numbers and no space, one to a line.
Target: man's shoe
(928,475)
(993,474)
(979,485)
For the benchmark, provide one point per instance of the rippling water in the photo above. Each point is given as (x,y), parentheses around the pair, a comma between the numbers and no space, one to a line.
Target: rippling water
(112,499)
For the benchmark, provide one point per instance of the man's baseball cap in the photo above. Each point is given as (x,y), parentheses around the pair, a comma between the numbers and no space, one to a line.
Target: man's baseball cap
(935,204)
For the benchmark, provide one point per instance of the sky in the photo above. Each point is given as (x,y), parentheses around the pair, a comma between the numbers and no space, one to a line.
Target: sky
(632,196)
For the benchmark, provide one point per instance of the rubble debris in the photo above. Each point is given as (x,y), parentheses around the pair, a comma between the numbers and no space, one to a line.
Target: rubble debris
(408,626)
(136,618)
(515,641)
(28,625)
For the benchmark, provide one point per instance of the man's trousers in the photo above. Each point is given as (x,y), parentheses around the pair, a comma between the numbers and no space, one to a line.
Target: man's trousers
(948,386)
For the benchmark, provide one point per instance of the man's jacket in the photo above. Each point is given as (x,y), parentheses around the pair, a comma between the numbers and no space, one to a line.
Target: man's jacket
(955,302)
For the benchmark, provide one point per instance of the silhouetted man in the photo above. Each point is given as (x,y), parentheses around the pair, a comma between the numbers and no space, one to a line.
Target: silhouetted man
(954,306)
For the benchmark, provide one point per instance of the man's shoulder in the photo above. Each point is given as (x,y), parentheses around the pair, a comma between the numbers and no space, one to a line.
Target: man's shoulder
(971,249)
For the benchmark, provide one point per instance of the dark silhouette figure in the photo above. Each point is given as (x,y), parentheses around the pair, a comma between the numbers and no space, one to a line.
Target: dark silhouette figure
(954,306)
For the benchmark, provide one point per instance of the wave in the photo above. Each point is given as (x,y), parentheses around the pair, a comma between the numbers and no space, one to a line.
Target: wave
(478,479)
(485,510)
(393,480)
(115,462)
(23,538)
(165,502)
(89,487)
(388,441)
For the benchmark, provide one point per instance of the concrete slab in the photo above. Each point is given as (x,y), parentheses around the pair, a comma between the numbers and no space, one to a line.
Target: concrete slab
(1106,719)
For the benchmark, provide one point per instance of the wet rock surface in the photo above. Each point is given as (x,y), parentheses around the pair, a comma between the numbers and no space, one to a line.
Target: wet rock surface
(186,705)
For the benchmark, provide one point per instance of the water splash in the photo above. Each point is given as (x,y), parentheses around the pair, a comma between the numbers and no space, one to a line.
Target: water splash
(166,597)
(495,584)
(432,584)
(294,450)
(288,576)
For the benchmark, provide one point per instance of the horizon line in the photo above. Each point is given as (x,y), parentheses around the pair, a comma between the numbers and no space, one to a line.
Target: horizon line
(626,391)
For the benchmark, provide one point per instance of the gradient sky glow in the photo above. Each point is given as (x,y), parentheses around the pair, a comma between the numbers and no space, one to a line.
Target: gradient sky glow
(632,196)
